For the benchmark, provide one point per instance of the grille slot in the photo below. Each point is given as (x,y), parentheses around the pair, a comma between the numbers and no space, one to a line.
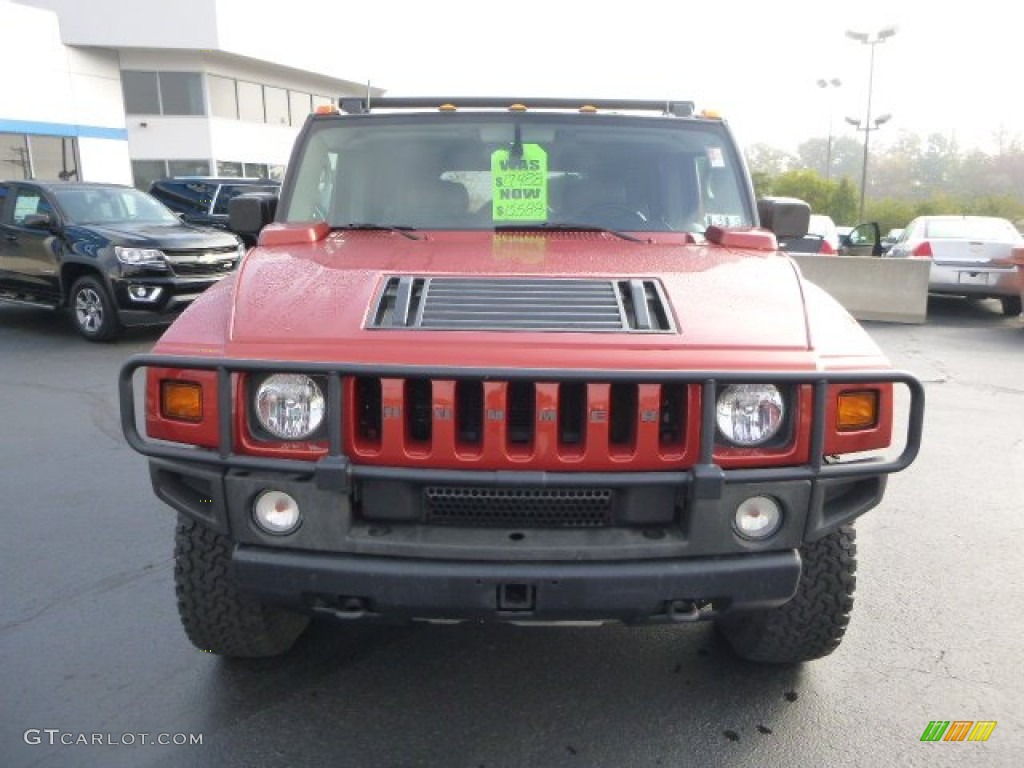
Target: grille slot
(518,507)
(521,304)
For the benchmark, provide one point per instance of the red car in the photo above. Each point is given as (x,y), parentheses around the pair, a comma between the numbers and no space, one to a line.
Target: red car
(527,362)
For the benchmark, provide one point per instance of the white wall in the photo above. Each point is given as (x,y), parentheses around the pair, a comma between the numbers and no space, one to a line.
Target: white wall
(40,88)
(105,160)
(168,138)
(49,88)
(136,23)
(234,140)
(95,87)
(285,34)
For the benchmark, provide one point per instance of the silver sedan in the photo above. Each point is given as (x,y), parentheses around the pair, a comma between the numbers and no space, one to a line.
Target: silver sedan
(970,256)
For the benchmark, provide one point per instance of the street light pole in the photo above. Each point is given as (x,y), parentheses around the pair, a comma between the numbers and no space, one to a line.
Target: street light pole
(874,126)
(835,82)
(870,40)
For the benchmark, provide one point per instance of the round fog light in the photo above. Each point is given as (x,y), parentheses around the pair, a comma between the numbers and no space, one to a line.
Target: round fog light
(758,517)
(276,512)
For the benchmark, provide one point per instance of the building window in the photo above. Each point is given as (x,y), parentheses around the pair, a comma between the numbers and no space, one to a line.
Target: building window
(276,172)
(301,104)
(255,170)
(188,168)
(223,99)
(276,100)
(54,157)
(181,93)
(14,162)
(141,93)
(145,172)
(162,93)
(250,102)
(229,169)
(47,158)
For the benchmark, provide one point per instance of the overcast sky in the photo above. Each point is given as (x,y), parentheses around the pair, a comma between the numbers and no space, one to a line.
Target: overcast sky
(945,71)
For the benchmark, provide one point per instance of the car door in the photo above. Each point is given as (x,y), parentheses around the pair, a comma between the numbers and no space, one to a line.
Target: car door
(863,240)
(5,240)
(30,252)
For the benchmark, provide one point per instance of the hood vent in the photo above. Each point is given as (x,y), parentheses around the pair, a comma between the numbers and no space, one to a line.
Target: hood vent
(522,304)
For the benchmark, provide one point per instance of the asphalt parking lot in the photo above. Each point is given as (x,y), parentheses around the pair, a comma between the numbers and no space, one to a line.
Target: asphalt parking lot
(90,641)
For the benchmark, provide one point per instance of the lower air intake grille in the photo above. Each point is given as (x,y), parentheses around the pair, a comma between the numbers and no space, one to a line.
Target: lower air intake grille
(521,507)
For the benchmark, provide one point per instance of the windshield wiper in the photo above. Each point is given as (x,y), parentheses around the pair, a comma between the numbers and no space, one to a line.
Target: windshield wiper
(404,231)
(568,226)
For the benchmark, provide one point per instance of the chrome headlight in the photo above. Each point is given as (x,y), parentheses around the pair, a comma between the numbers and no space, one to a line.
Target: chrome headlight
(750,414)
(140,257)
(290,406)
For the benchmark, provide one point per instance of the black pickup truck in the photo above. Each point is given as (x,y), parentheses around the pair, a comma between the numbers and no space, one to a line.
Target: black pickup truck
(110,253)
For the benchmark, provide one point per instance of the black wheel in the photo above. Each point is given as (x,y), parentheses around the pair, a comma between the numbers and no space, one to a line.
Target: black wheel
(217,617)
(812,624)
(93,309)
(1011,305)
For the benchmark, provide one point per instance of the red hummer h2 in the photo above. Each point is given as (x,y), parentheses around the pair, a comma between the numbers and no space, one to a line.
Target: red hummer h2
(527,362)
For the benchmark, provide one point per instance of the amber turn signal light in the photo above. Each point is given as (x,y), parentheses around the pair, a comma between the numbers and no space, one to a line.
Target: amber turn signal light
(857,410)
(181,400)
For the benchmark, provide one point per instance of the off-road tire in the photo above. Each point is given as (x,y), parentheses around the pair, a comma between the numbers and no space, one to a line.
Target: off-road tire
(1011,305)
(812,624)
(93,310)
(217,616)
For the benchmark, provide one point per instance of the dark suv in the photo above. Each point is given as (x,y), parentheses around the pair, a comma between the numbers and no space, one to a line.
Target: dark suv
(204,200)
(112,254)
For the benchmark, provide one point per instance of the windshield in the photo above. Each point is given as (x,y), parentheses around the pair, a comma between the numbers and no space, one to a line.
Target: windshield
(482,171)
(109,205)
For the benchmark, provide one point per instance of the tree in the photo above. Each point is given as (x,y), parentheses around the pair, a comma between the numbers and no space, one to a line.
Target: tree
(909,177)
(843,205)
(766,159)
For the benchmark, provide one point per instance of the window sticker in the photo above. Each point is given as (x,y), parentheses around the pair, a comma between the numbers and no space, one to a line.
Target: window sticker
(519,184)
(715,157)
(722,220)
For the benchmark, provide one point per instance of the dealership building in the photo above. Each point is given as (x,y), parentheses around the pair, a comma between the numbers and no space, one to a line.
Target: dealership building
(127,91)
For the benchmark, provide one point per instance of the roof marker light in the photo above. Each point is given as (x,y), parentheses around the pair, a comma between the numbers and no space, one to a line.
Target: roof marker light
(516,107)
(447,108)
(588,109)
(326,109)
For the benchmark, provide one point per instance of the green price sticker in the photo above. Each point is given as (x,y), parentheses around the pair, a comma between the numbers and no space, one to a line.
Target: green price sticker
(519,184)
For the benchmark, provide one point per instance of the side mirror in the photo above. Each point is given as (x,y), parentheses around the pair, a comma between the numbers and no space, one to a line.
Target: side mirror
(787,217)
(39,221)
(249,213)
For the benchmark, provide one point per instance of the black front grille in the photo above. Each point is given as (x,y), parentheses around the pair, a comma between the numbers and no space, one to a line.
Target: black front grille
(192,263)
(518,507)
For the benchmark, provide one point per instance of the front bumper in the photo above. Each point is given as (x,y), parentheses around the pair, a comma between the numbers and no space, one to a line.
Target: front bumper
(367,546)
(675,557)
(369,588)
(166,296)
